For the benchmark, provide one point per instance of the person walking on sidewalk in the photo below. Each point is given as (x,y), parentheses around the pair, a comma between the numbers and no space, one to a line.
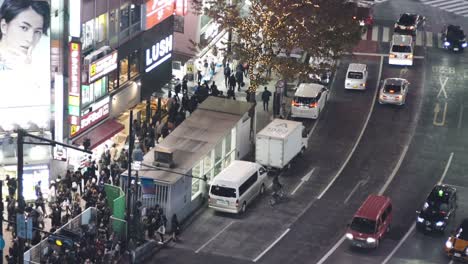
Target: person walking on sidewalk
(175,228)
(232,82)
(239,80)
(227,74)
(266,98)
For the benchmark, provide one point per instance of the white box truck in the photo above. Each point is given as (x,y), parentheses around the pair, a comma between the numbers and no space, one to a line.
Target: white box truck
(279,142)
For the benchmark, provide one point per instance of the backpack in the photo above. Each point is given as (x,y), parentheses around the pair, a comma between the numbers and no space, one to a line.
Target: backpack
(227,71)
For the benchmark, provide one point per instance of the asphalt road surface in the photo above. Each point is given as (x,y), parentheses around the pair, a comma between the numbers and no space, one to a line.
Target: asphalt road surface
(356,148)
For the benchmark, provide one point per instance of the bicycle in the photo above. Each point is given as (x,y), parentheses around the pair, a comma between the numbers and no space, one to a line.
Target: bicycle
(277,197)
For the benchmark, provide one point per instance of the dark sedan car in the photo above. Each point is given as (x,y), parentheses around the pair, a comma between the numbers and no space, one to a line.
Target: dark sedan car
(438,209)
(408,24)
(454,38)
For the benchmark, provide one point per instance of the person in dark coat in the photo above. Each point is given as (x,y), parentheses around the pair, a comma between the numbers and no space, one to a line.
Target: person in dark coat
(231,93)
(239,79)
(193,103)
(177,89)
(266,98)
(184,86)
(185,102)
(227,74)
(232,82)
(175,228)
(214,89)
(11,184)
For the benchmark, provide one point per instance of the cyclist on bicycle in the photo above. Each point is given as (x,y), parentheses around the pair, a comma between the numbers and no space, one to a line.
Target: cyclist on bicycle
(277,186)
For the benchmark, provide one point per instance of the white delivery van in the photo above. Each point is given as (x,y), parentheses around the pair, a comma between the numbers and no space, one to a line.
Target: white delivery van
(236,186)
(401,50)
(279,142)
(356,76)
(309,100)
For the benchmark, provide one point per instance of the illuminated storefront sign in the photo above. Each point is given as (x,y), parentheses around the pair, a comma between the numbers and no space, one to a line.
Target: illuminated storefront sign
(181,7)
(102,66)
(74,87)
(100,111)
(158,53)
(157,11)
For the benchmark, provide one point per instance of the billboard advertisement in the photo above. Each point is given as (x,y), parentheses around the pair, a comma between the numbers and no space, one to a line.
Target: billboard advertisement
(157,11)
(25,64)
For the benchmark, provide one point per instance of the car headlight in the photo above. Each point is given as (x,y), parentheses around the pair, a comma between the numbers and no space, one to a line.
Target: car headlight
(448,244)
(440,223)
(446,43)
(464,45)
(370,240)
(466,251)
(420,219)
(349,236)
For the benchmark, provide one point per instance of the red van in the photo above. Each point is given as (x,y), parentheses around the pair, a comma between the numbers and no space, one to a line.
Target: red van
(371,222)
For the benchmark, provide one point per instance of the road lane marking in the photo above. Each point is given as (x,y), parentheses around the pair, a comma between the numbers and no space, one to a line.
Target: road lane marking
(272,245)
(313,128)
(303,180)
(324,258)
(213,238)
(377,54)
(399,244)
(361,182)
(419,36)
(360,135)
(429,39)
(449,161)
(460,117)
(375,33)
(436,114)
(386,34)
(441,42)
(395,170)
(442,86)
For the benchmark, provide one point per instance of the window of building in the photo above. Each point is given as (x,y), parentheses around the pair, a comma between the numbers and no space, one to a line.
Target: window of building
(101,28)
(88,34)
(134,64)
(197,171)
(93,92)
(123,74)
(113,80)
(124,17)
(135,14)
(179,24)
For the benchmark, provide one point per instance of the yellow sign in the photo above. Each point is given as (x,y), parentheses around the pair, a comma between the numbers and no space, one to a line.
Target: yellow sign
(92,70)
(74,129)
(190,68)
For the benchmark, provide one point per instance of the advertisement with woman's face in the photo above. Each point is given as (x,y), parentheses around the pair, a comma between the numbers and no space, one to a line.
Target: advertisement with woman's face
(24,64)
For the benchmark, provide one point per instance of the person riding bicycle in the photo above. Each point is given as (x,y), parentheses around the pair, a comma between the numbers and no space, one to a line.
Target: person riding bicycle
(277,186)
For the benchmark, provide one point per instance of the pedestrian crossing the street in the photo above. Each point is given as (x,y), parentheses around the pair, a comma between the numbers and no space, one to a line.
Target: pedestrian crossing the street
(459,7)
(384,34)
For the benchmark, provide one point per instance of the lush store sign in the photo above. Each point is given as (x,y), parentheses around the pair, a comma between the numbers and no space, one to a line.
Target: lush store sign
(158,53)
(74,86)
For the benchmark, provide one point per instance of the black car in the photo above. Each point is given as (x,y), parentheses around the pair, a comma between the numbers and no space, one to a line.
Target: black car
(438,209)
(408,24)
(454,38)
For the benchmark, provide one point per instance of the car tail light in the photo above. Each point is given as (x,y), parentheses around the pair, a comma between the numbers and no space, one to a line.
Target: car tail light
(294,103)
(209,199)
(384,96)
(392,55)
(398,97)
(363,84)
(411,27)
(237,203)
(409,56)
(312,105)
(354,17)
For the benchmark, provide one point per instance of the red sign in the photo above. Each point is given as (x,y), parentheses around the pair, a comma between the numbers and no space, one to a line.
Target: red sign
(100,111)
(157,11)
(181,7)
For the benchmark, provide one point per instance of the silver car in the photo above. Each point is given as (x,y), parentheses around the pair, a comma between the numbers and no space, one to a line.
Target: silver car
(393,91)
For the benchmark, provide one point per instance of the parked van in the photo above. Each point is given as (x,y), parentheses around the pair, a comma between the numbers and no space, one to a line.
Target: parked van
(309,100)
(401,50)
(356,76)
(371,222)
(236,186)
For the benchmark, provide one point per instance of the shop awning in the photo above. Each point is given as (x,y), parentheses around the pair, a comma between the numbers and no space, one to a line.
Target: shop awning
(100,133)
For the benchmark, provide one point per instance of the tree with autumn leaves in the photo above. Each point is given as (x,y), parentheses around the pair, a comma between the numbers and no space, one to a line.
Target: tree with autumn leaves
(271,29)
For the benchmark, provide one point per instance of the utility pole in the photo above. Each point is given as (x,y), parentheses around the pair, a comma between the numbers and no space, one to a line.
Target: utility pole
(129,180)
(20,194)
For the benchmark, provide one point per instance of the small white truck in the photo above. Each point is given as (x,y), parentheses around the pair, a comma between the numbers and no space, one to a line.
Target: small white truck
(279,142)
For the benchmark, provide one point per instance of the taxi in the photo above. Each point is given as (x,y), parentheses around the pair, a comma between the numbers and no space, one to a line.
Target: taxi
(456,245)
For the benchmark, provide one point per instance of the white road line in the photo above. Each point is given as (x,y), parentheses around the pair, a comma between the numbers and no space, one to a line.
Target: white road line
(433,2)
(378,54)
(386,34)
(303,180)
(352,191)
(451,261)
(272,245)
(458,8)
(419,41)
(213,238)
(364,35)
(445,3)
(449,7)
(360,135)
(313,127)
(429,39)
(446,168)
(460,117)
(399,244)
(375,33)
(395,170)
(439,38)
(462,12)
(324,258)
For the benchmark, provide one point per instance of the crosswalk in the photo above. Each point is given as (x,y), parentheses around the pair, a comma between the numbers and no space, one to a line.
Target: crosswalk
(459,7)
(384,34)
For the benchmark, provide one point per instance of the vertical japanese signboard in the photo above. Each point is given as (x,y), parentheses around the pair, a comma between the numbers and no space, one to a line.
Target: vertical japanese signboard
(74,87)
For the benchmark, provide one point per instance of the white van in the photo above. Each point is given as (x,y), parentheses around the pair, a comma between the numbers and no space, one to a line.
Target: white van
(401,50)
(236,186)
(309,100)
(356,76)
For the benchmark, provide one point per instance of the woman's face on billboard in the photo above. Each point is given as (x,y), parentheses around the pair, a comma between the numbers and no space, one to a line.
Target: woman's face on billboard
(22,33)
